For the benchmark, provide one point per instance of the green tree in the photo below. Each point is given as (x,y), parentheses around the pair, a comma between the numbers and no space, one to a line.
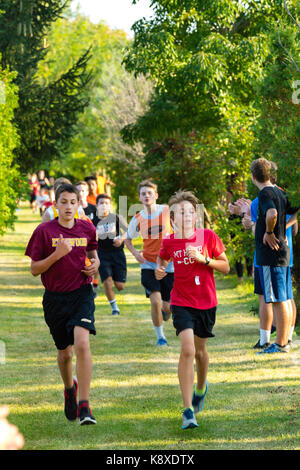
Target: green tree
(116,99)
(277,131)
(204,58)
(47,114)
(10,184)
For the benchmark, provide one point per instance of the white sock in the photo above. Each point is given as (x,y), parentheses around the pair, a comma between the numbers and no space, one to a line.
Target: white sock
(291,333)
(159,331)
(113,304)
(265,336)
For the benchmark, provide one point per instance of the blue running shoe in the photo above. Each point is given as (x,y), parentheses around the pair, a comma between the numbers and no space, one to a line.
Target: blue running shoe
(275,348)
(188,419)
(199,400)
(162,342)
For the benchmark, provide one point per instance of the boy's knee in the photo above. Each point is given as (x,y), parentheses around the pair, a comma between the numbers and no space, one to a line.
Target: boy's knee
(188,351)
(65,355)
(120,285)
(200,354)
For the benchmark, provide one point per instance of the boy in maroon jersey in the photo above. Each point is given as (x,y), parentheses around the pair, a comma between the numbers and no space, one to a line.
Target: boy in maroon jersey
(59,250)
(195,253)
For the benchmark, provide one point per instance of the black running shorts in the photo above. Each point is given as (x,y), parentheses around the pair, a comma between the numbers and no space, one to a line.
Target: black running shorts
(65,310)
(200,321)
(257,284)
(113,264)
(151,284)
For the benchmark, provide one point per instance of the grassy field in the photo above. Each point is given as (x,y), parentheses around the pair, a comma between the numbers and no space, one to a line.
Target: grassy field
(253,401)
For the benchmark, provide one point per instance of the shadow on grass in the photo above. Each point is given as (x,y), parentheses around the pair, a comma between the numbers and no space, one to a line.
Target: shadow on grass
(149,417)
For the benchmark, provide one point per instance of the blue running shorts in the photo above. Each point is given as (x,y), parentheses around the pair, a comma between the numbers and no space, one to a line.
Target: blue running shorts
(276,283)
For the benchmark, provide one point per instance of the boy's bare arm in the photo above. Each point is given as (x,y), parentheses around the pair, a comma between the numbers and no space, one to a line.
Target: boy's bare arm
(120,239)
(269,237)
(161,265)
(292,220)
(138,256)
(220,263)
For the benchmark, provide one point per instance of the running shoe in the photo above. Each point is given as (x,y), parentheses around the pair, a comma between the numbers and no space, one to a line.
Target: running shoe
(166,316)
(71,406)
(85,415)
(258,345)
(275,348)
(162,342)
(188,419)
(199,400)
(115,312)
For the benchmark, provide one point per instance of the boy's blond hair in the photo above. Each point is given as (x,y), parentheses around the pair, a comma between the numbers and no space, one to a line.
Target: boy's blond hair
(148,184)
(181,196)
(59,181)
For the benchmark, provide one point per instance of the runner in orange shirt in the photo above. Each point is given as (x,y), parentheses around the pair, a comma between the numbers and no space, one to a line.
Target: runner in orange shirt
(152,224)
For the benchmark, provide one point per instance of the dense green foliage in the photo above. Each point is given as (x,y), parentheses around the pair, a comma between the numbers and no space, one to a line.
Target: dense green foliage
(10,184)
(116,99)
(47,114)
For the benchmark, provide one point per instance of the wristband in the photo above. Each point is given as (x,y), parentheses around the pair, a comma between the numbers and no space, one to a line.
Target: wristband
(269,233)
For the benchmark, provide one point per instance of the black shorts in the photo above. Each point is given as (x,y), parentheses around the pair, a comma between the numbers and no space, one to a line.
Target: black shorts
(200,321)
(257,284)
(151,284)
(65,310)
(113,264)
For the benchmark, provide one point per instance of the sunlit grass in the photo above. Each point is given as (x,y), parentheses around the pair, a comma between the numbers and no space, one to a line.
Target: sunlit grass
(253,401)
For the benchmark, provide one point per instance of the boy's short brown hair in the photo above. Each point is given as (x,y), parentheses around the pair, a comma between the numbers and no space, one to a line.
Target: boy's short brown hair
(261,170)
(148,184)
(102,196)
(69,188)
(182,196)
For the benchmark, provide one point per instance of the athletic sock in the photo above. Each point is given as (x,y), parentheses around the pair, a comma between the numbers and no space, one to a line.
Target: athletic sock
(264,336)
(198,392)
(114,305)
(291,333)
(159,330)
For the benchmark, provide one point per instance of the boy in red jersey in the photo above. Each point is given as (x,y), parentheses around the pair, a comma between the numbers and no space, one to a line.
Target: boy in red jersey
(58,251)
(195,253)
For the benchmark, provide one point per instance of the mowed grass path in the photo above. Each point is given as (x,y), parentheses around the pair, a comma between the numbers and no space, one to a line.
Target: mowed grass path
(253,401)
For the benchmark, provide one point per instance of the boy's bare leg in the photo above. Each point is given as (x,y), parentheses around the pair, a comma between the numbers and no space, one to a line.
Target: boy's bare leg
(202,361)
(265,314)
(166,307)
(294,311)
(64,360)
(108,288)
(186,366)
(283,314)
(156,304)
(83,361)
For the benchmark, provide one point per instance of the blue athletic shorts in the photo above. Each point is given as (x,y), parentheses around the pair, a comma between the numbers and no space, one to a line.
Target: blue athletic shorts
(276,283)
